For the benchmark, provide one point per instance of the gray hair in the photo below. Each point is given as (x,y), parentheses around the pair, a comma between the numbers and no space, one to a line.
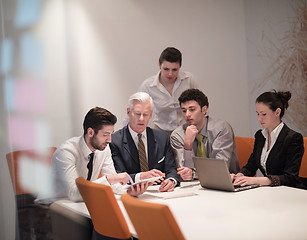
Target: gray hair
(140,97)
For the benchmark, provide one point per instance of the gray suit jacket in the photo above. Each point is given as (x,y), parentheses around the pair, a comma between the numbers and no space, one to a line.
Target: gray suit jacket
(218,140)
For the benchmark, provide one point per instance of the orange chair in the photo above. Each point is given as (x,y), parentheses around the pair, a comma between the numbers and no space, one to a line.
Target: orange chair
(33,219)
(13,164)
(107,218)
(245,146)
(303,168)
(151,220)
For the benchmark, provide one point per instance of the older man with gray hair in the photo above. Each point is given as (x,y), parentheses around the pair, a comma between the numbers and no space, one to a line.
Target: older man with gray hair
(141,151)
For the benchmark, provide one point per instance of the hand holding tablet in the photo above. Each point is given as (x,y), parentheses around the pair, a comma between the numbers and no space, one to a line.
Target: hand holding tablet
(149,180)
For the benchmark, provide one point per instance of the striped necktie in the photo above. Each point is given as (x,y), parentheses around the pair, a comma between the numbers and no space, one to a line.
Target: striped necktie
(142,154)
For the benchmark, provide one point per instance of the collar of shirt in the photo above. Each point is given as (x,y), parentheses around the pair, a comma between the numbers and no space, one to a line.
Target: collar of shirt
(156,81)
(135,137)
(265,152)
(204,129)
(274,133)
(84,148)
(181,76)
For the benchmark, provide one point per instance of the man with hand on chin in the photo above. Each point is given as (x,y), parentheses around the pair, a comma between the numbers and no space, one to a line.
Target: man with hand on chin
(201,136)
(141,151)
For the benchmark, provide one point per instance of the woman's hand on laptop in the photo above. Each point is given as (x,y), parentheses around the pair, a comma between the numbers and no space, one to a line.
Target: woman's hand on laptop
(242,180)
(234,176)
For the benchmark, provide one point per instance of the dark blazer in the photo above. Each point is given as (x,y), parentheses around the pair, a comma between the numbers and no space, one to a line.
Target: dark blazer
(284,161)
(160,156)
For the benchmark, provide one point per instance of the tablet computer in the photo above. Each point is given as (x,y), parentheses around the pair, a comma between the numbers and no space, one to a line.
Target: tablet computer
(152,179)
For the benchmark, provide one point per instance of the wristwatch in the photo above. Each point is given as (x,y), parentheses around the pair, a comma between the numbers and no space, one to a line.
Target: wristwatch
(194,174)
(173,181)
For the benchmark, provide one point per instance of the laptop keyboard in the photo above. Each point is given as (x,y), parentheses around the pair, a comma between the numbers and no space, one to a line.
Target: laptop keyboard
(240,188)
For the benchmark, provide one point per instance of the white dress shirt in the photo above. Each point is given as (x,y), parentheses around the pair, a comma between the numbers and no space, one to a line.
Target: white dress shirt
(167,113)
(265,151)
(70,162)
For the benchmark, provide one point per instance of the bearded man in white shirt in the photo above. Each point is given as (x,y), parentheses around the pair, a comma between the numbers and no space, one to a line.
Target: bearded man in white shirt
(72,159)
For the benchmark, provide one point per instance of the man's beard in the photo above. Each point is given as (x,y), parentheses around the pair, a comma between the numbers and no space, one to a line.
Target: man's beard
(95,145)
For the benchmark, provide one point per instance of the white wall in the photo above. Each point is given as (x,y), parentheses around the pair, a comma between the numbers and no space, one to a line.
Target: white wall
(274,42)
(115,45)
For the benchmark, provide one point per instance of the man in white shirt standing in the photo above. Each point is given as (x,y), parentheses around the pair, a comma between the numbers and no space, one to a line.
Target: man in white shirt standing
(165,88)
(89,155)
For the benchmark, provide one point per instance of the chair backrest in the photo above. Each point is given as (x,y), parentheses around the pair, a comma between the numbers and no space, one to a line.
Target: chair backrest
(13,159)
(151,220)
(107,218)
(303,168)
(245,146)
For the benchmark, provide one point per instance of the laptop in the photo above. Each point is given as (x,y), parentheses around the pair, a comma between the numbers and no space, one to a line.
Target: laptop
(214,174)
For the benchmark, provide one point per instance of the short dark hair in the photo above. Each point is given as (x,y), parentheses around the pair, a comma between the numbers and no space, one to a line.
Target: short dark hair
(96,118)
(194,94)
(274,100)
(172,55)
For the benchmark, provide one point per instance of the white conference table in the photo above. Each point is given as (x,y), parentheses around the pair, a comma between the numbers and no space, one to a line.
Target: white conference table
(261,213)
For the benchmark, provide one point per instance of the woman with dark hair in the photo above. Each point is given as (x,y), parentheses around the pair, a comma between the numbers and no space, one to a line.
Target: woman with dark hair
(278,150)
